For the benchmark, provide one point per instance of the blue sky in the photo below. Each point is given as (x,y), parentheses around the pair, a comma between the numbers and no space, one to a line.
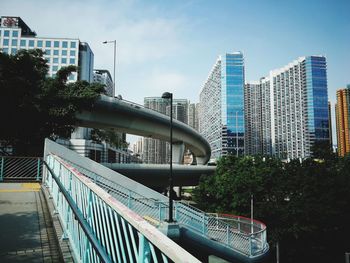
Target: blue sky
(172,45)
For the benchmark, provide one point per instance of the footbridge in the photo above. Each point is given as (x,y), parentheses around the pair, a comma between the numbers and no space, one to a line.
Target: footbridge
(102,216)
(134,119)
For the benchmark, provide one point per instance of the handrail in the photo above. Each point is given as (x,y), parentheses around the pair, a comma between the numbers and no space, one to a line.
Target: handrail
(146,232)
(87,229)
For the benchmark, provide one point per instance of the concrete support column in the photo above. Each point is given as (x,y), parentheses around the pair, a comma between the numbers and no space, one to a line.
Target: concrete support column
(178,152)
(178,157)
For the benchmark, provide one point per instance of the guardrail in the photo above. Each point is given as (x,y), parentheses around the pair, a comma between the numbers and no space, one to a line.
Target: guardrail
(243,236)
(100,228)
(20,168)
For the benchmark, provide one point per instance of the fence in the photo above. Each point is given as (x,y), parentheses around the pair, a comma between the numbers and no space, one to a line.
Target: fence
(232,232)
(20,168)
(101,229)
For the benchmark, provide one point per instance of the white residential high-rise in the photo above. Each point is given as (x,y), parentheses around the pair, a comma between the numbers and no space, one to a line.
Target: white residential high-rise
(252,114)
(294,109)
(154,150)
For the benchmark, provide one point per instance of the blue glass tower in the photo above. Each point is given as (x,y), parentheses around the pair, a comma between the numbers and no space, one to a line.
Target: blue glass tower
(221,110)
(232,103)
(317,98)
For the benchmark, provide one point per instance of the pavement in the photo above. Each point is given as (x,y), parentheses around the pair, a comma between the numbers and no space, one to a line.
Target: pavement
(26,233)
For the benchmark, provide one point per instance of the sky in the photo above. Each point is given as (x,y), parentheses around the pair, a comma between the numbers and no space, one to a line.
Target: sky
(172,45)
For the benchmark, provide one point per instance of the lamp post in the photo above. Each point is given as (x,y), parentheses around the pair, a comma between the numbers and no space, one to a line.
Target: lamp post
(115,56)
(168,95)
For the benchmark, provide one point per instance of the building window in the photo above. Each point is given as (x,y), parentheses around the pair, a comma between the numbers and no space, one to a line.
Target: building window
(31,43)
(55,52)
(55,60)
(5,42)
(72,61)
(71,77)
(64,52)
(5,50)
(23,43)
(48,59)
(56,43)
(13,51)
(15,33)
(73,44)
(6,33)
(48,52)
(40,43)
(72,53)
(63,60)
(64,44)
(14,42)
(47,43)
(54,68)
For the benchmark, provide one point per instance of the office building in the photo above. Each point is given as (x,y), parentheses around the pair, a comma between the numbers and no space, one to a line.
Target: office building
(59,52)
(343,120)
(221,111)
(294,109)
(330,125)
(103,77)
(192,115)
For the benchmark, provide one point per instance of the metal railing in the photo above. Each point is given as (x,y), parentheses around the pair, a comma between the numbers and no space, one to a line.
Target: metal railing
(100,228)
(237,233)
(20,168)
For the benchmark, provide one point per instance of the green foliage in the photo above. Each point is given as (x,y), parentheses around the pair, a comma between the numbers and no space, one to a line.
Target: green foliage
(112,137)
(33,106)
(304,205)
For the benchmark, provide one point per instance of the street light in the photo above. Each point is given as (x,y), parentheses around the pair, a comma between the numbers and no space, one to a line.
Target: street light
(168,95)
(115,54)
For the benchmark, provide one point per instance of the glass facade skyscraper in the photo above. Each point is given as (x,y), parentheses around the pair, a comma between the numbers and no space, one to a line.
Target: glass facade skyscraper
(221,114)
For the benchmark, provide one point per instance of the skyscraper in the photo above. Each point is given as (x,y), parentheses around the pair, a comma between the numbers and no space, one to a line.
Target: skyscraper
(154,150)
(253,113)
(221,113)
(294,108)
(343,120)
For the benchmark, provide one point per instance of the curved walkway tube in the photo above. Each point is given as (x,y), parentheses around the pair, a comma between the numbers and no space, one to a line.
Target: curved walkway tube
(131,118)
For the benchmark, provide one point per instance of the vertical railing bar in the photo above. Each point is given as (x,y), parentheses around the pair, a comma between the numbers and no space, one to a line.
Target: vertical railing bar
(132,240)
(111,215)
(109,222)
(2,169)
(131,259)
(116,216)
(153,253)
(105,227)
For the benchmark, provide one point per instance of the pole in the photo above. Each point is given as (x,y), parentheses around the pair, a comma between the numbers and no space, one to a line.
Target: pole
(252,213)
(278,253)
(171,162)
(115,58)
(236,133)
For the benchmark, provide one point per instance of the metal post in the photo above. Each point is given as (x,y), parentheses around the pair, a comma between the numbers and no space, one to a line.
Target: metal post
(168,95)
(171,162)
(38,170)
(278,253)
(115,58)
(252,213)
(237,133)
(2,169)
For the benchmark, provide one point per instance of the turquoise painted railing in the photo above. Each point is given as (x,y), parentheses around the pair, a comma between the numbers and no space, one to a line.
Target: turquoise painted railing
(20,168)
(100,228)
(232,234)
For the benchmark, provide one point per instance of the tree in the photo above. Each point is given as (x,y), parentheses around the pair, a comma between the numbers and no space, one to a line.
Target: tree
(305,205)
(34,106)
